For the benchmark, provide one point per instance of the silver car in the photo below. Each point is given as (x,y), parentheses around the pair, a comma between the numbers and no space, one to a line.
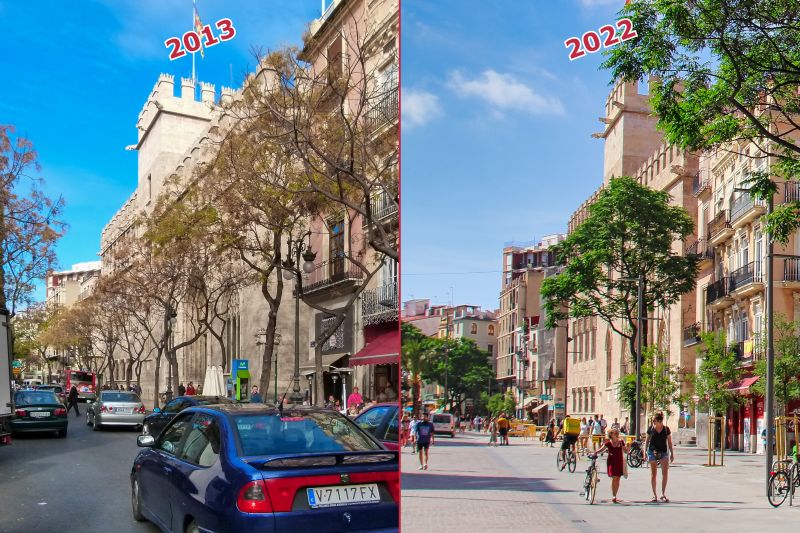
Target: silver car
(116,408)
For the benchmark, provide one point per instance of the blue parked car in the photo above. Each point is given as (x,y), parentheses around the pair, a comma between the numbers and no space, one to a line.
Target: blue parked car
(253,467)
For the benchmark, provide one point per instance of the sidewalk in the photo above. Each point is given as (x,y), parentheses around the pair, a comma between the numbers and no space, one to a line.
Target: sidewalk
(471,487)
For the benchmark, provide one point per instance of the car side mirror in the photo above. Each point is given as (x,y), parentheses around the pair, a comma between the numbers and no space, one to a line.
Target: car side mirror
(156,410)
(145,441)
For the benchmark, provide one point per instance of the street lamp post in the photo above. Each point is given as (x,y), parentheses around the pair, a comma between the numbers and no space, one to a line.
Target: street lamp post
(639,341)
(770,398)
(292,268)
(172,319)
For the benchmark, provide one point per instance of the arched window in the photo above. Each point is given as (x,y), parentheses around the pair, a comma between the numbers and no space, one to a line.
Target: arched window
(473,329)
(491,329)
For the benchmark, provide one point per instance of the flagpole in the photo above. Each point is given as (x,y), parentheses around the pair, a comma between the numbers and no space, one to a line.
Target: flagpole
(194,10)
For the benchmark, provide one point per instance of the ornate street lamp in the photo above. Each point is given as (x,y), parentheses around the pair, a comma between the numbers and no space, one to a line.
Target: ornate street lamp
(292,268)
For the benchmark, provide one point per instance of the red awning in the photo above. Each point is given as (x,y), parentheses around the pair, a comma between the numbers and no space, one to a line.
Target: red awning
(742,385)
(381,350)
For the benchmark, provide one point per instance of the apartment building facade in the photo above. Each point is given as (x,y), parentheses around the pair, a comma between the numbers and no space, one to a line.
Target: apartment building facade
(520,312)
(364,350)
(65,288)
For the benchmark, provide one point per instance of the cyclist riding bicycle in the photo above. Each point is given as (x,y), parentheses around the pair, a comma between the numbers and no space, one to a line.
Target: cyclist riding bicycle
(571,430)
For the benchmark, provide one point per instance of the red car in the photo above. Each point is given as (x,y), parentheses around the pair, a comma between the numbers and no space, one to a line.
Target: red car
(381,421)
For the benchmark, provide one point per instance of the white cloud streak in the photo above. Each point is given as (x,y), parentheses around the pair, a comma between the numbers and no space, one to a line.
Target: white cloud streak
(503,92)
(419,107)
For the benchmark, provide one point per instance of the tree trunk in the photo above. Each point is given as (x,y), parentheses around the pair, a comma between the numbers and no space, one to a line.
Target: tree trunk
(274,303)
(156,399)
(415,392)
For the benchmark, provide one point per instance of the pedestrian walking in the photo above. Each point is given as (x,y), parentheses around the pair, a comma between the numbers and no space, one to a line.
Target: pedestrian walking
(493,432)
(615,467)
(550,437)
(255,396)
(502,428)
(424,433)
(72,400)
(190,389)
(624,427)
(405,427)
(584,436)
(615,424)
(412,428)
(597,432)
(181,390)
(659,453)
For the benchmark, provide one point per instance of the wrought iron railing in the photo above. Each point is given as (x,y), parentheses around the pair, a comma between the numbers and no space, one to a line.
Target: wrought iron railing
(385,110)
(335,342)
(380,304)
(331,272)
(791,191)
(383,206)
(718,289)
(699,185)
(718,224)
(742,205)
(744,275)
(702,248)
(791,269)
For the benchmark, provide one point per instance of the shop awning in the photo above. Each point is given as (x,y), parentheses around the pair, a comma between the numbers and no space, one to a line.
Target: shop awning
(528,401)
(539,408)
(742,385)
(327,361)
(381,350)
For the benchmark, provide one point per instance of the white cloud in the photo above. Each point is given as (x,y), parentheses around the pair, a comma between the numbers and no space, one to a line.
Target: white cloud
(504,93)
(419,107)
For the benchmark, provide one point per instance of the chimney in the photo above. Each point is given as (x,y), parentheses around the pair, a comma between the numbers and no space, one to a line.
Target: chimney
(207,92)
(187,88)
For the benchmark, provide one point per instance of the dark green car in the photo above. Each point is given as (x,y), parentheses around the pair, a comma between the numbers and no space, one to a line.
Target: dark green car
(38,410)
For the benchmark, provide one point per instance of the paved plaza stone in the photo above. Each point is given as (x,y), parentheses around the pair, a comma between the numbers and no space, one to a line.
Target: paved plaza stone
(470,486)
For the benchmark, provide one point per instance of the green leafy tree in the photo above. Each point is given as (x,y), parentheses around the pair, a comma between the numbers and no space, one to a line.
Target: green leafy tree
(787,364)
(660,386)
(724,74)
(461,365)
(719,368)
(415,348)
(629,233)
(501,403)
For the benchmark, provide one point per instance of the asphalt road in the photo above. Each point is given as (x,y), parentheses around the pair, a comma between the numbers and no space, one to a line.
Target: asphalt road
(79,483)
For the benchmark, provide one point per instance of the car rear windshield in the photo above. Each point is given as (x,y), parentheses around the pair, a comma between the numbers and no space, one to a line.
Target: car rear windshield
(35,398)
(441,419)
(268,434)
(119,397)
(212,401)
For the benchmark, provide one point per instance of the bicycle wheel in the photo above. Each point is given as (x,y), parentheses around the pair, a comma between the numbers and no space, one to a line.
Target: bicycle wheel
(572,461)
(592,486)
(559,461)
(635,459)
(778,488)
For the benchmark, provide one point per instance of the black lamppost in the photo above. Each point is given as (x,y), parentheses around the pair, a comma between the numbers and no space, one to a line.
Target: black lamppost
(172,319)
(297,249)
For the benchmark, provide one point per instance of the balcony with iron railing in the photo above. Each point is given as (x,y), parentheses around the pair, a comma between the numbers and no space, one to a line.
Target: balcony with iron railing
(747,279)
(700,185)
(791,191)
(380,304)
(691,335)
(719,228)
(745,209)
(383,207)
(385,110)
(701,248)
(718,292)
(791,269)
(334,272)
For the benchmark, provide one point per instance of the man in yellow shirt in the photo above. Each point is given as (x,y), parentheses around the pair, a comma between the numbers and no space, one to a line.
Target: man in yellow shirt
(571,428)
(502,428)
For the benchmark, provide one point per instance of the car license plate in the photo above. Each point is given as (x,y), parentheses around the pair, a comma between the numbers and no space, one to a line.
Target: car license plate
(343,495)
(40,414)
(124,410)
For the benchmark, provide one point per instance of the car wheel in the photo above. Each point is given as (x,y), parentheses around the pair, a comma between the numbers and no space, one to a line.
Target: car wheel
(88,422)
(136,502)
(138,428)
(61,433)
(95,424)
(192,527)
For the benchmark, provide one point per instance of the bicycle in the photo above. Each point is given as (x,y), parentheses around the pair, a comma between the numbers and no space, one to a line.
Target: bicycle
(590,482)
(566,458)
(635,455)
(783,481)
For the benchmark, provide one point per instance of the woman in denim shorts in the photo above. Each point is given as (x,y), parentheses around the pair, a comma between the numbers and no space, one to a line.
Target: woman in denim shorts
(659,452)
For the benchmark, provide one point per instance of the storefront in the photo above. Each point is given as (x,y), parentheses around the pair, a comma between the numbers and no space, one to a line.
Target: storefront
(377,363)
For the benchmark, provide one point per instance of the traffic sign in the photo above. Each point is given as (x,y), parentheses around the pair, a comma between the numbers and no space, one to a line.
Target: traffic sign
(16,363)
(559,406)
(16,371)
(545,396)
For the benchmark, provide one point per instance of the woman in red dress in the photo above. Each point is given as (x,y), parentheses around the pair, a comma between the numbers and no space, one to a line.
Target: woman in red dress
(616,448)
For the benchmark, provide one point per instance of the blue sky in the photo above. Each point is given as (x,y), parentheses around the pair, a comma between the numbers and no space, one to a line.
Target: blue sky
(76,74)
(496,137)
